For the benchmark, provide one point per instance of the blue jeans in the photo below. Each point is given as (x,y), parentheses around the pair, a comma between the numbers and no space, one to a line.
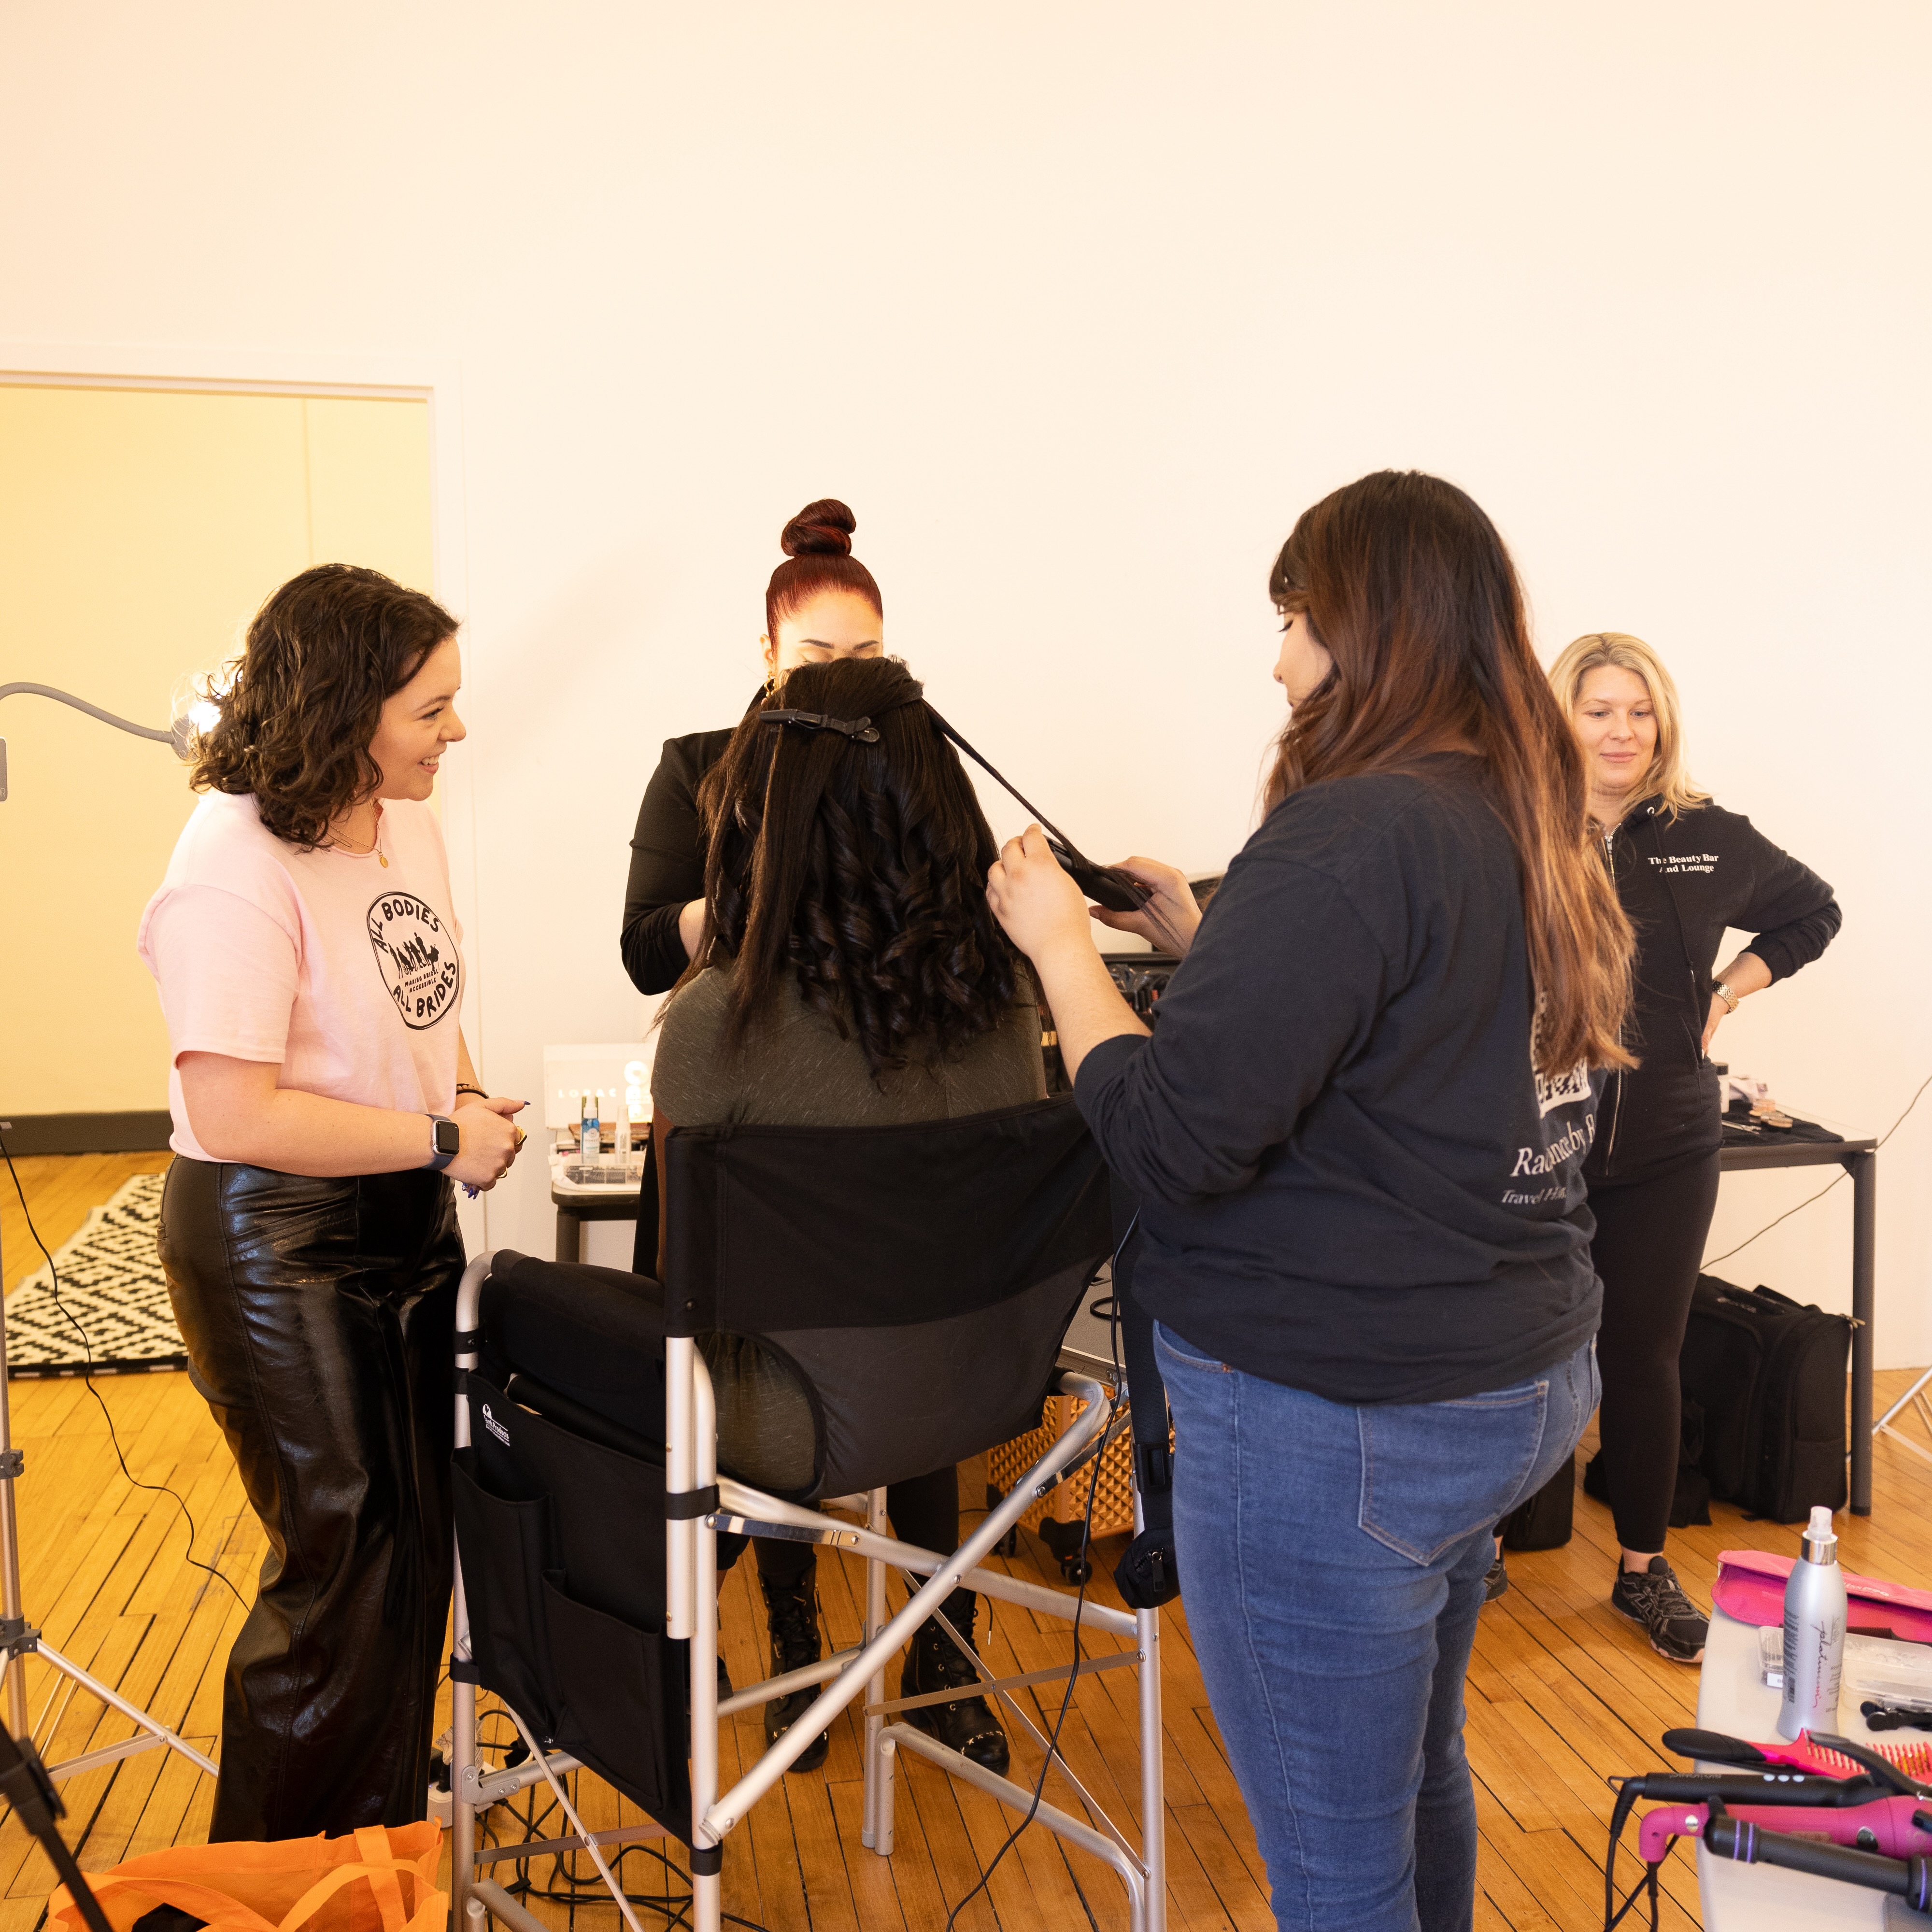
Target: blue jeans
(1331,1563)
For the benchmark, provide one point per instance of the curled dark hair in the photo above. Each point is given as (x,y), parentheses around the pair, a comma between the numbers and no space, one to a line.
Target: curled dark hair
(296,722)
(860,868)
(818,544)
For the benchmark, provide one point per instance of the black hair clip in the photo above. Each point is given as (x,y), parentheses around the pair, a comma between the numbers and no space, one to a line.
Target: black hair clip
(860,731)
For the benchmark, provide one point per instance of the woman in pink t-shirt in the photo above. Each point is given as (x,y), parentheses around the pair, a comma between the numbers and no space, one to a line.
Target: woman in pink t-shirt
(308,962)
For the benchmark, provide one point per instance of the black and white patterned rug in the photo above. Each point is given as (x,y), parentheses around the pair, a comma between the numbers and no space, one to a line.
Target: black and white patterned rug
(111,1286)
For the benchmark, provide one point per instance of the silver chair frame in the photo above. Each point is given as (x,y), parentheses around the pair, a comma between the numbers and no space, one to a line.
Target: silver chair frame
(692,1554)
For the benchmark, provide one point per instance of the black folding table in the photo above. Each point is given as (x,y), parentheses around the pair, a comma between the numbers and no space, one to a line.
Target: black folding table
(1859,1159)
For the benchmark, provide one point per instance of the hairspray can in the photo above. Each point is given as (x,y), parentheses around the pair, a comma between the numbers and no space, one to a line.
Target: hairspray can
(1814,1632)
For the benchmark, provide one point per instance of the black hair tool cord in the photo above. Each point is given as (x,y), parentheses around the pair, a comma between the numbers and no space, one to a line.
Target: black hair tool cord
(1106,886)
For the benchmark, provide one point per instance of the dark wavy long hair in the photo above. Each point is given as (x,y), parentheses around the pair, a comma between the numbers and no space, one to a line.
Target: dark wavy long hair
(295,724)
(1409,588)
(860,869)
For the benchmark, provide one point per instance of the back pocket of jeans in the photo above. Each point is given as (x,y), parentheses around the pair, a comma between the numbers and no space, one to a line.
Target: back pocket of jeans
(1435,1472)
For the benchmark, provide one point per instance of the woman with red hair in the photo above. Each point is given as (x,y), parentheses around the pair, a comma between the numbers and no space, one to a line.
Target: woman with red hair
(821,605)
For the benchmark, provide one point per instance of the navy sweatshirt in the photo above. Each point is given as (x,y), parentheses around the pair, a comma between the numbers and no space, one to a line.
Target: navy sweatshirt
(1351,1179)
(1683,881)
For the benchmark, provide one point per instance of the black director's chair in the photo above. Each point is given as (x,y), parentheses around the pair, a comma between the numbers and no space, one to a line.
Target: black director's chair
(918,1281)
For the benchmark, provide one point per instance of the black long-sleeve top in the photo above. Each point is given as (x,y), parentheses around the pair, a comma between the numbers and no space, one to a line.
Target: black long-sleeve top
(1683,881)
(1351,1179)
(667,861)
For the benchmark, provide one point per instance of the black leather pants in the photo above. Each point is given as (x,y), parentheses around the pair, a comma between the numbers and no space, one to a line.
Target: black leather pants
(319,1318)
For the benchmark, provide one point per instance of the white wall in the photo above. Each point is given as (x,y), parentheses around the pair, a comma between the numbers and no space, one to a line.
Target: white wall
(1078,306)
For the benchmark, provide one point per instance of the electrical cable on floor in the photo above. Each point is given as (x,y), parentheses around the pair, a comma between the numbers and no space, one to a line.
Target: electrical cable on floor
(1822,1191)
(1059,1723)
(1079,1603)
(87,1376)
(566,1887)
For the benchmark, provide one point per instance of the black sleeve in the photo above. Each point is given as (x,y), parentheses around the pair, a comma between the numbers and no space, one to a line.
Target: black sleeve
(1791,910)
(1191,1112)
(667,870)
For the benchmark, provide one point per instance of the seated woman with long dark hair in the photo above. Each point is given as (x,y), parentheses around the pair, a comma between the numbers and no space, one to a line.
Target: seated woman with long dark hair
(850,975)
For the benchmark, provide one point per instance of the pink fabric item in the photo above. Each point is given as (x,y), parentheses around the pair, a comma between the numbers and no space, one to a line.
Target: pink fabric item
(346,973)
(1750,1587)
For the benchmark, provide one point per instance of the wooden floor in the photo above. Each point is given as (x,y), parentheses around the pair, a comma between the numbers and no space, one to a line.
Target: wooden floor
(1562,1691)
(60,1189)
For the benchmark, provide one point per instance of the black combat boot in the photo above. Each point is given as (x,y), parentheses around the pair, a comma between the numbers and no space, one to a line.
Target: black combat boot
(966,1724)
(792,1615)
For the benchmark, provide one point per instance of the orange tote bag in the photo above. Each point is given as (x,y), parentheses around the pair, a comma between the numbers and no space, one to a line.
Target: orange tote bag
(382,1879)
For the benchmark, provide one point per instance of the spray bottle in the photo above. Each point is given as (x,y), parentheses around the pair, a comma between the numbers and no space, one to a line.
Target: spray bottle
(1814,1632)
(590,1138)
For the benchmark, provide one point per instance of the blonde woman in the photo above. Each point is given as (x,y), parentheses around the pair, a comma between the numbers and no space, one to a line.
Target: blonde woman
(1686,870)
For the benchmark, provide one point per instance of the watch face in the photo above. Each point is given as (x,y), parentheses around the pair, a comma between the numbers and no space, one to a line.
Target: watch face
(448,1138)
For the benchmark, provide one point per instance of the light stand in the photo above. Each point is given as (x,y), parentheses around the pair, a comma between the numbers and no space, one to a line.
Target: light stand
(1915,1394)
(17,1636)
(24,1783)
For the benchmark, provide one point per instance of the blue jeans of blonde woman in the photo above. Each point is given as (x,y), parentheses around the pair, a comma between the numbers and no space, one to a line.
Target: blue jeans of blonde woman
(1331,1564)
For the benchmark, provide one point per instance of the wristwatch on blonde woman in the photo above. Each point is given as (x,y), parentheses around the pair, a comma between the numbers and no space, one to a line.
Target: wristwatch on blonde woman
(1724,993)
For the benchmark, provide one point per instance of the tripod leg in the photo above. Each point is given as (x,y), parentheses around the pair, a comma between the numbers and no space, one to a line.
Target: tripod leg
(16,1622)
(25,1784)
(153,1725)
(72,1877)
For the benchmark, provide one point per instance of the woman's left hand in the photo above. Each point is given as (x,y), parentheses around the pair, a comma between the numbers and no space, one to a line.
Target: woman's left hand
(1041,907)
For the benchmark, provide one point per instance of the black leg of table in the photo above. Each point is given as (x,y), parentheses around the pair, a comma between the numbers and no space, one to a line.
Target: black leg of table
(570,1248)
(1865,1242)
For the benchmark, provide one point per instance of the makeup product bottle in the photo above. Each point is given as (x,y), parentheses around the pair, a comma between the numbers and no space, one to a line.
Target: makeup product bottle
(1814,1632)
(590,1140)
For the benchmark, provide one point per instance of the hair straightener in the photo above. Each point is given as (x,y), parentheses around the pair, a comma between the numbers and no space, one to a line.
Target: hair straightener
(1106,886)
(1871,1829)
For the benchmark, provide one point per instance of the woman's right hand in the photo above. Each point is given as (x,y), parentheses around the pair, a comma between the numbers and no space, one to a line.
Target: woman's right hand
(1169,920)
(691,927)
(490,1141)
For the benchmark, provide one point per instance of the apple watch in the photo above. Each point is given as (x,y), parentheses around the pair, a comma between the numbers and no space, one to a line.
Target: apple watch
(446,1141)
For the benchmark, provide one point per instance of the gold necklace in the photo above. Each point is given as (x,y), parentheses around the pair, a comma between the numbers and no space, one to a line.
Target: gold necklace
(375,846)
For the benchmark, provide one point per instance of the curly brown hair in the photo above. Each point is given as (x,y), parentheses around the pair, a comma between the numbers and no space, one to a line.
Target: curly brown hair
(860,868)
(322,655)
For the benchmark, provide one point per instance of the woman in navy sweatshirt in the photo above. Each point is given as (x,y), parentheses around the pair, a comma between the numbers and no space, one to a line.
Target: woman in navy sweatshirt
(1685,870)
(1358,1140)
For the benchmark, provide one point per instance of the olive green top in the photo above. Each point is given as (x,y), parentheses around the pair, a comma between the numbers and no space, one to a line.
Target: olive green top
(794,1070)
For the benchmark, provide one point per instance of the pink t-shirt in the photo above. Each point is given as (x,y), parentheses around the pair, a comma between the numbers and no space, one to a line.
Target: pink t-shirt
(345,971)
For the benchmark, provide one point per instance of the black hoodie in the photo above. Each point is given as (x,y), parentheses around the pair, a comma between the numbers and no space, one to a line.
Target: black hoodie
(1683,881)
(1351,1179)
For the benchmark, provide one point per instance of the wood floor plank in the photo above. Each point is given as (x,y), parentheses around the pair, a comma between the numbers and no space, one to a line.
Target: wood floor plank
(1200,1855)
